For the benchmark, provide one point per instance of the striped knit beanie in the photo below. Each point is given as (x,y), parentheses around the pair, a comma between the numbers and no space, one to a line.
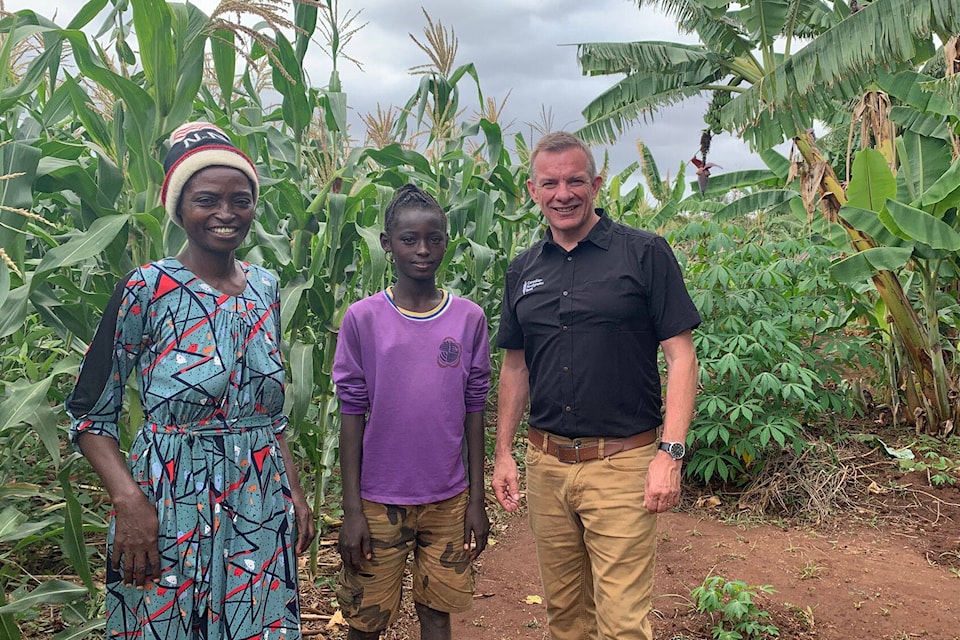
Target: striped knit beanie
(195,146)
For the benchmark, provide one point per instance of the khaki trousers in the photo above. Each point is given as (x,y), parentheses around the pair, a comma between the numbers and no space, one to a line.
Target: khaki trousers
(595,543)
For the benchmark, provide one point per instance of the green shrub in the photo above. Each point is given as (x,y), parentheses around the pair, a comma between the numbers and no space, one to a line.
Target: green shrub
(770,357)
(939,460)
(740,618)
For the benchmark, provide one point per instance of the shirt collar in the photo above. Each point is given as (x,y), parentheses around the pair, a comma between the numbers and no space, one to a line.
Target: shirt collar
(600,235)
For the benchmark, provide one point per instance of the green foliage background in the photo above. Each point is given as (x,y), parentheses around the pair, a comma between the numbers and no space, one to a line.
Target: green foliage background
(85,120)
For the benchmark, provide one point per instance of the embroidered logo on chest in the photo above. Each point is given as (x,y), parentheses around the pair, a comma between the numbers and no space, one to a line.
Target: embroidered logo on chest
(449,355)
(530,285)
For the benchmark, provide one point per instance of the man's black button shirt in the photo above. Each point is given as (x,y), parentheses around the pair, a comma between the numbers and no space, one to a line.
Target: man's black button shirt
(590,322)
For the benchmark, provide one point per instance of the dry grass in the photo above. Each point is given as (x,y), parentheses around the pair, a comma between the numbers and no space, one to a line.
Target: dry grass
(809,486)
(837,479)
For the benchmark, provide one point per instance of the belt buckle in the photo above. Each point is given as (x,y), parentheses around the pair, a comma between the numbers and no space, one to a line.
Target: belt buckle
(576,451)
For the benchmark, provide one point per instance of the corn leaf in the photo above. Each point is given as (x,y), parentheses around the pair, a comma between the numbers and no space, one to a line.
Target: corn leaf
(224,63)
(301,382)
(152,20)
(483,257)
(73,544)
(190,35)
(305,18)
(8,627)
(138,121)
(50,592)
(87,12)
(81,247)
(11,523)
(288,79)
(13,310)
(85,630)
(290,297)
(375,257)
(395,155)
(16,192)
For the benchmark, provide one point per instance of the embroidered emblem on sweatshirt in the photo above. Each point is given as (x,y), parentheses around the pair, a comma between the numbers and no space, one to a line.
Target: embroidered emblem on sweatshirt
(530,285)
(450,351)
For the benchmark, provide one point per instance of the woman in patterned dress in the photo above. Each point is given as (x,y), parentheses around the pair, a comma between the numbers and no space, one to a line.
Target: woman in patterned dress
(208,510)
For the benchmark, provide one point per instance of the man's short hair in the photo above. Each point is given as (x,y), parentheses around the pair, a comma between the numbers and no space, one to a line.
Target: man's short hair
(557,141)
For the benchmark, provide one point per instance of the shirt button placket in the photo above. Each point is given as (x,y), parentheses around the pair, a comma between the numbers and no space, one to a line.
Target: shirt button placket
(566,303)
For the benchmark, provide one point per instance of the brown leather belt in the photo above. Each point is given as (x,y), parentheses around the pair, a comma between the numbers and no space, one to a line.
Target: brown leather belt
(584,449)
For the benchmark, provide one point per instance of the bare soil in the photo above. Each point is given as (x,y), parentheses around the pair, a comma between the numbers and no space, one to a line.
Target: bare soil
(851,583)
(883,563)
(853,548)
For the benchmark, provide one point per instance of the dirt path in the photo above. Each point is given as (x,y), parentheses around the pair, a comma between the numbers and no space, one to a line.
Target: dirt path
(858,583)
(886,568)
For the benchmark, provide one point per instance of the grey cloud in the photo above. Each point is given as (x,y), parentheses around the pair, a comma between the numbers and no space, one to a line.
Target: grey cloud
(516,46)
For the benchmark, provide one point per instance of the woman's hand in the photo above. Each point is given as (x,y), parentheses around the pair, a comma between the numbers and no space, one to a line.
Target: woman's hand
(306,528)
(135,543)
(136,526)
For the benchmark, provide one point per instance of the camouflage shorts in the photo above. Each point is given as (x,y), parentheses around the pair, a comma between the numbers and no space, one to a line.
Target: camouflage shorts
(442,572)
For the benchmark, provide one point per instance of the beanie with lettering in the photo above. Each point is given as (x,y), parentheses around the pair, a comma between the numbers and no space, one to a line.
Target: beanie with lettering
(193,147)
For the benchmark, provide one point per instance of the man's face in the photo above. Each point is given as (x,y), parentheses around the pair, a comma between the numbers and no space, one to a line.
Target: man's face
(565,192)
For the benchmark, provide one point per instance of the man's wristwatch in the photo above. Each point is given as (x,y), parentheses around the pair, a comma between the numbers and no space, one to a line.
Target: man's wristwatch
(676,449)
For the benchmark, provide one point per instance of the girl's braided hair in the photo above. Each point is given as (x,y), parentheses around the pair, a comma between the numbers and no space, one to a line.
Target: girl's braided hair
(410,197)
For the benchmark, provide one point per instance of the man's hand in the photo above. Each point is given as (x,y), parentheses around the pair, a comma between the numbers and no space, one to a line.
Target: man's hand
(662,490)
(506,483)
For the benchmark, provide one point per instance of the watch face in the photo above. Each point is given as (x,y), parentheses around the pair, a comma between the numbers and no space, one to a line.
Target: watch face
(675,449)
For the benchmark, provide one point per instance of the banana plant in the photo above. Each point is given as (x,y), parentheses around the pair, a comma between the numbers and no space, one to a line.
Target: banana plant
(911,216)
(765,89)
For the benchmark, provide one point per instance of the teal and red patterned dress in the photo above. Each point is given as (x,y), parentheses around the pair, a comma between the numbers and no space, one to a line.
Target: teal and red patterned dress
(210,377)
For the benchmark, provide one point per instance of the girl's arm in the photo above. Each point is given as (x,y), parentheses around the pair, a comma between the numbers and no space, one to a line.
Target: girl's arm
(354,539)
(476,525)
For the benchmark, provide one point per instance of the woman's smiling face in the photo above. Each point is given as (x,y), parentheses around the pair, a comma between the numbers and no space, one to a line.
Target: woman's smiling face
(216,209)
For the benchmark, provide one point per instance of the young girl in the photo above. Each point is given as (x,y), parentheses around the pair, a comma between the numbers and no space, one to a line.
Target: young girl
(412,370)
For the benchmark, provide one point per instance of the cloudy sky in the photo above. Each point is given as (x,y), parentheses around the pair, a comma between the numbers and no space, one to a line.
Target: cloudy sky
(523,51)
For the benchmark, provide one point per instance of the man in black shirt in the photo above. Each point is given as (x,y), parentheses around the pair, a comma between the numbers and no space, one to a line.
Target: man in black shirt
(585,312)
